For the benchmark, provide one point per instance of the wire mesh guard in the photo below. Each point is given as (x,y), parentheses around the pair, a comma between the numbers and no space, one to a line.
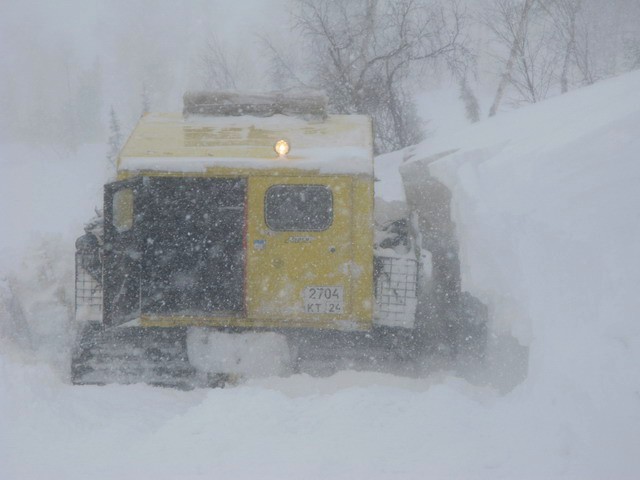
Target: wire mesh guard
(396,285)
(88,291)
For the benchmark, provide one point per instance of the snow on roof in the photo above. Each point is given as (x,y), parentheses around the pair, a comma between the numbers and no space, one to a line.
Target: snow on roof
(169,142)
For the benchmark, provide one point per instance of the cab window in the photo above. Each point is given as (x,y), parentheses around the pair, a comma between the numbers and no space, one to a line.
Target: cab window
(122,210)
(298,207)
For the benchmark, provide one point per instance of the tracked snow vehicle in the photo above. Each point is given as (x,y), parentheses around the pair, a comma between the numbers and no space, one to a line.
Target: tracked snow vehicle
(239,239)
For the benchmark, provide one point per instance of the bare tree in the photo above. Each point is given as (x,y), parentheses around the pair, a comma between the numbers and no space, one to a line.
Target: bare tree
(632,53)
(535,69)
(363,53)
(509,22)
(145,99)
(584,57)
(287,67)
(221,70)
(471,105)
(565,15)
(115,138)
(593,37)
(523,29)
(631,36)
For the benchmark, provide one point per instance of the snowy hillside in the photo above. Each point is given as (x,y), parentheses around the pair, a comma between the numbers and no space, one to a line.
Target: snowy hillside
(546,205)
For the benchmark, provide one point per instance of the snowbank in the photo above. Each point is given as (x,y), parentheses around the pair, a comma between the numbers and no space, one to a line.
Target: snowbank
(546,205)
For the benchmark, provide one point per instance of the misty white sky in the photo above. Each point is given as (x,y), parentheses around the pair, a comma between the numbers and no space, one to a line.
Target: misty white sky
(46,45)
(97,54)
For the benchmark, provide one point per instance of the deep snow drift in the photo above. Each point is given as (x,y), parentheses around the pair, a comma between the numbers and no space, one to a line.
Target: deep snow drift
(546,203)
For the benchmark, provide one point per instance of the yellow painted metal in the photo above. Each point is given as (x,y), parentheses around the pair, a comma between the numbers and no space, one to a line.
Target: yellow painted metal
(279,265)
(282,264)
(362,289)
(164,135)
(122,209)
(224,172)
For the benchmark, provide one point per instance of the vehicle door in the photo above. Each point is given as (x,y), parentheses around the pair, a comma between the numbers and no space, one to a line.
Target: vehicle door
(122,251)
(300,248)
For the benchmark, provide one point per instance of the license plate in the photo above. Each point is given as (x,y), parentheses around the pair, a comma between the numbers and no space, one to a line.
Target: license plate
(329,300)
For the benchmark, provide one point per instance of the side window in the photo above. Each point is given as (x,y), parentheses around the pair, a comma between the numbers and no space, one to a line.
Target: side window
(122,210)
(298,207)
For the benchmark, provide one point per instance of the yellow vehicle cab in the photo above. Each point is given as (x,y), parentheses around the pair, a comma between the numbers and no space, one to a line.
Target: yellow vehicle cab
(210,225)
(242,226)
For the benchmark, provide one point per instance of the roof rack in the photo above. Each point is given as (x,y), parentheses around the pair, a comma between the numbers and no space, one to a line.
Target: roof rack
(306,104)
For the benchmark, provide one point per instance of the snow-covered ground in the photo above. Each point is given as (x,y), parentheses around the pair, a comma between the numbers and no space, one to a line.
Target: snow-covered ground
(546,203)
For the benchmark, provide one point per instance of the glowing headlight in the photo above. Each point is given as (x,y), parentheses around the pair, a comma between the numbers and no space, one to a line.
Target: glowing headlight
(281,147)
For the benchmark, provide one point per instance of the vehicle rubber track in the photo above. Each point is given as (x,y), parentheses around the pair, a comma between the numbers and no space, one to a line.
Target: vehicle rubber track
(156,356)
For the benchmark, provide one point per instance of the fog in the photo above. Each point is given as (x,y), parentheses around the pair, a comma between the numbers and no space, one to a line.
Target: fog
(537,204)
(66,63)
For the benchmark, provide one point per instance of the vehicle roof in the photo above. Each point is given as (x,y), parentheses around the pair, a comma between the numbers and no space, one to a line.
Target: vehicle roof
(169,142)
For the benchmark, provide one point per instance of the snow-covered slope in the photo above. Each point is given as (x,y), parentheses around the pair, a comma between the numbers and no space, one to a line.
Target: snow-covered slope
(546,203)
